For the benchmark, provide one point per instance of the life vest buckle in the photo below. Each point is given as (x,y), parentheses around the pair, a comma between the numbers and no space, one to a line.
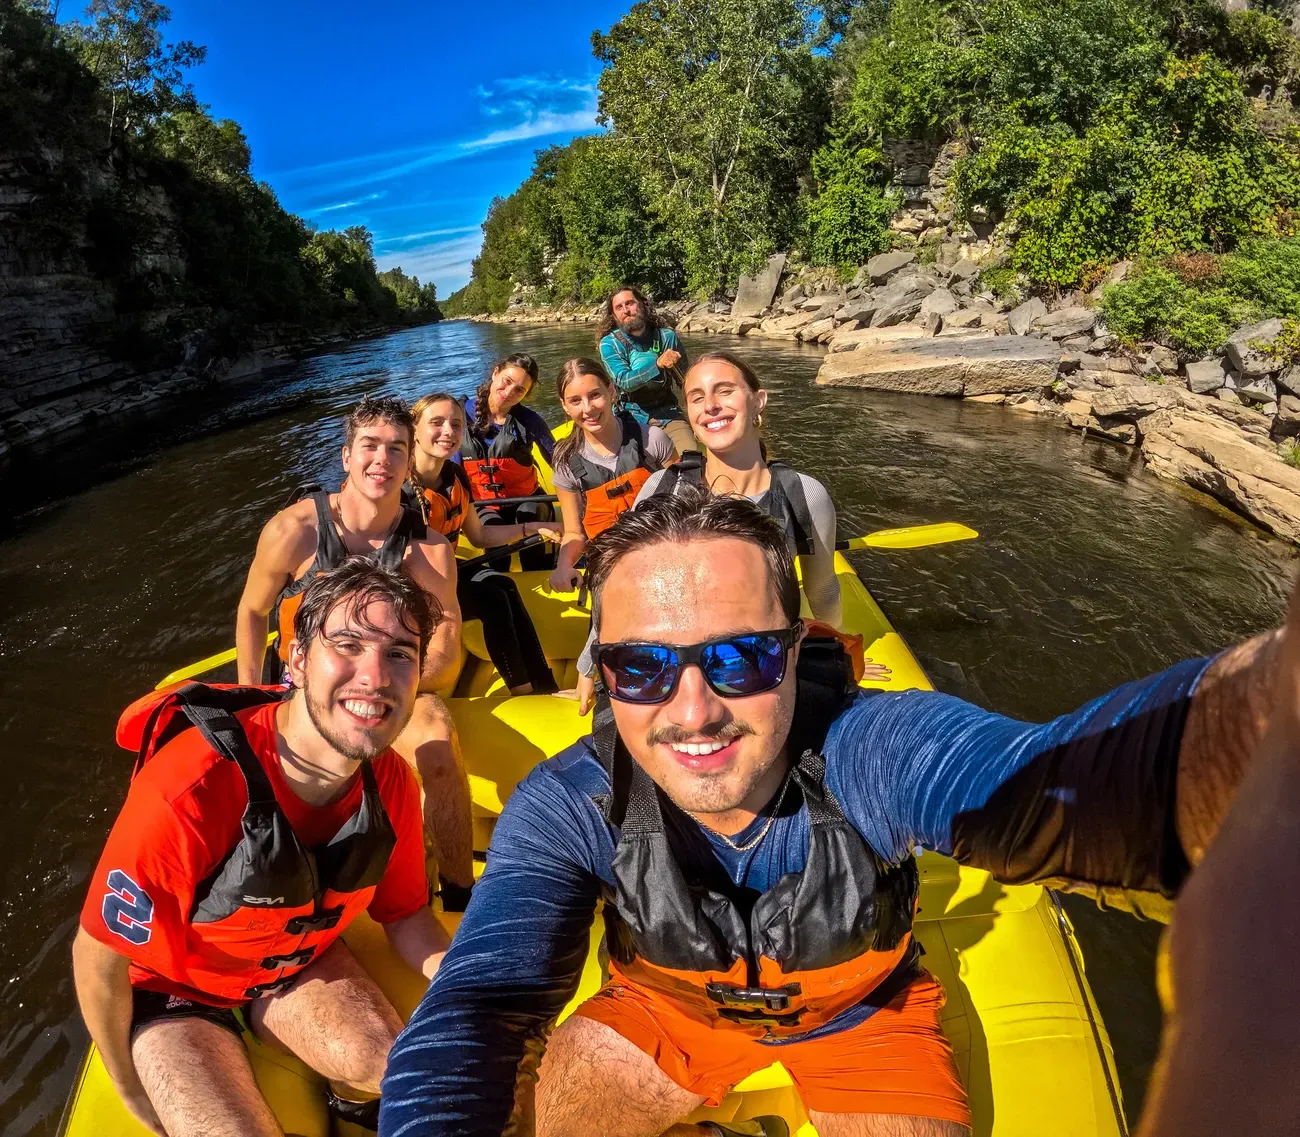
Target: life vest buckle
(317,922)
(770,999)
(293,959)
(272,988)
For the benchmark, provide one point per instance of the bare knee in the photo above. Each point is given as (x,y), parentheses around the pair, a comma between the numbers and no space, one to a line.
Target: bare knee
(884,1125)
(358,1061)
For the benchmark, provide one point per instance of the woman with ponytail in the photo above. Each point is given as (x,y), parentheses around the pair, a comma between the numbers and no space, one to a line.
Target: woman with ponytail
(497,453)
(601,465)
(439,490)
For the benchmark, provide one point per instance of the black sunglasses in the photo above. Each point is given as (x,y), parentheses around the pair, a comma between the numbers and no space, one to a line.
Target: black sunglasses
(747,663)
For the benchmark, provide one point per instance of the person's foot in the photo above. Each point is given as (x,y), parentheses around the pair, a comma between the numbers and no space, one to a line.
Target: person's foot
(768,1125)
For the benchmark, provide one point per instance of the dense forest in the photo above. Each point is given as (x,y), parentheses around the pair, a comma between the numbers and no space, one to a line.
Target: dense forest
(1085,131)
(122,173)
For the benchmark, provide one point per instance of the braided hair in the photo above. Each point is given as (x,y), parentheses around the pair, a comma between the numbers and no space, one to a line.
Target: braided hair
(422,404)
(525,363)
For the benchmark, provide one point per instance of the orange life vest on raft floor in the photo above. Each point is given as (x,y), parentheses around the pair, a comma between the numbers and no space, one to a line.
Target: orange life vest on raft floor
(272,905)
(500,468)
(607,495)
(330,553)
(815,944)
(442,507)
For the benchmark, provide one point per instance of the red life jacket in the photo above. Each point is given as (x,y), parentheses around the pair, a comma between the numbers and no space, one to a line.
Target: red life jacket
(330,553)
(503,467)
(813,945)
(272,905)
(606,495)
(442,507)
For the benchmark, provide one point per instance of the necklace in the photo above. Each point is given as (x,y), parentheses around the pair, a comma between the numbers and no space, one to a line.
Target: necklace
(771,818)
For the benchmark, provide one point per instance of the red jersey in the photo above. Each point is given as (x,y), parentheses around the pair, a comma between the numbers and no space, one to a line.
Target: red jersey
(181,819)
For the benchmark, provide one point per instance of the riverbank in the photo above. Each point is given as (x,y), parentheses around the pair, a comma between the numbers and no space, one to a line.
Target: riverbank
(1224,427)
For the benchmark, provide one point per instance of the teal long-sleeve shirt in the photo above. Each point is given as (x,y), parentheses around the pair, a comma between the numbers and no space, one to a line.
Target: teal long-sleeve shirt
(631,363)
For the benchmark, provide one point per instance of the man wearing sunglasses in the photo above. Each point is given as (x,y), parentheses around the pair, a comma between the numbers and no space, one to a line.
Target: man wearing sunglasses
(750,827)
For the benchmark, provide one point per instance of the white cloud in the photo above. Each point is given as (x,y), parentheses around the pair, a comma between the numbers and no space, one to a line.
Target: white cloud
(345,204)
(447,263)
(428,233)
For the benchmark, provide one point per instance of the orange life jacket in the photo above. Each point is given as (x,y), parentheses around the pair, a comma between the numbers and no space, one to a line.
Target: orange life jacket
(607,495)
(443,507)
(503,467)
(813,945)
(272,905)
(330,553)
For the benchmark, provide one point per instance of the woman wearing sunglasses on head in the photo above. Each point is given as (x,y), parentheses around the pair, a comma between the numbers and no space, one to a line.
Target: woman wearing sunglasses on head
(440,490)
(602,464)
(497,451)
(724,404)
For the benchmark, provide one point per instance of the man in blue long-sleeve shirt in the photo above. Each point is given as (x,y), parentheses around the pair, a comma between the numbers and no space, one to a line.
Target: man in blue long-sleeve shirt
(645,358)
(750,833)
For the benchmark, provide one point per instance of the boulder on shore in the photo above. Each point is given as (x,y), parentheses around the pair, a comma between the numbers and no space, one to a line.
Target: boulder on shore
(944,365)
(1023,317)
(754,293)
(1206,376)
(1247,349)
(880,268)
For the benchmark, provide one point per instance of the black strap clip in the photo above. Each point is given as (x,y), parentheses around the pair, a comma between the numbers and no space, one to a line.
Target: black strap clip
(293,959)
(320,921)
(755,1006)
(272,988)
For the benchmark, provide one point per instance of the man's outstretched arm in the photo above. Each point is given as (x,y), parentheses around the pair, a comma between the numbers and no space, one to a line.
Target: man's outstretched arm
(513,965)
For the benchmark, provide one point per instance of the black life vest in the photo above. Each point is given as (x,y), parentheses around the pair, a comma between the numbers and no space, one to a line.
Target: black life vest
(654,394)
(330,553)
(784,500)
(606,495)
(272,905)
(815,944)
(500,468)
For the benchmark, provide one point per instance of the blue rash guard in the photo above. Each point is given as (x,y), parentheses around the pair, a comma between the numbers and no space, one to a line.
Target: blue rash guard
(632,364)
(535,428)
(1088,797)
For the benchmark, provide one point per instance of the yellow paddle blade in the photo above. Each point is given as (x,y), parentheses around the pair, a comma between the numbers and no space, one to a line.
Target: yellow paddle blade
(203,666)
(914,536)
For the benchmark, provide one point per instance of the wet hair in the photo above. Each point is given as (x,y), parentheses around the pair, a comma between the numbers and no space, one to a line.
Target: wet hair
(573,369)
(385,409)
(359,582)
(692,513)
(422,404)
(525,363)
(608,323)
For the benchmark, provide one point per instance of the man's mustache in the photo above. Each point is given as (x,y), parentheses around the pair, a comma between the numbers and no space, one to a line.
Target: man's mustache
(715,732)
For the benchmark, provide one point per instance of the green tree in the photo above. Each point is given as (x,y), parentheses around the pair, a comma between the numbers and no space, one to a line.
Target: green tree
(704,92)
(143,77)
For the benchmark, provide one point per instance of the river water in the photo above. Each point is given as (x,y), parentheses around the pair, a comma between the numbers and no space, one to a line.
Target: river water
(1087,572)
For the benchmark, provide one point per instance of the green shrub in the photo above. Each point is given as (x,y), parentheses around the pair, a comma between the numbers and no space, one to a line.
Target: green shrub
(848,220)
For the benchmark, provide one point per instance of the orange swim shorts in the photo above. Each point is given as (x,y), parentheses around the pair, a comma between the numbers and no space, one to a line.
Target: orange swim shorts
(896,1062)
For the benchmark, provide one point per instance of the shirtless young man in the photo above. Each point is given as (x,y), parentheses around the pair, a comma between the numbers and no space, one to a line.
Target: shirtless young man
(366,517)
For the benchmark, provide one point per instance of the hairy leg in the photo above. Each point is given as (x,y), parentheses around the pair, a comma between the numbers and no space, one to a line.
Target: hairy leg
(883,1125)
(430,745)
(593,1080)
(335,1019)
(199,1081)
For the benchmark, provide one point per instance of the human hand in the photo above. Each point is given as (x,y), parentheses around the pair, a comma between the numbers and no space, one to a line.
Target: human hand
(584,693)
(139,1106)
(548,534)
(565,579)
(876,672)
(668,359)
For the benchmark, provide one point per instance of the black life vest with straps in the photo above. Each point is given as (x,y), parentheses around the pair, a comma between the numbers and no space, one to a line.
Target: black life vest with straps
(654,394)
(606,495)
(330,553)
(271,905)
(815,944)
(784,501)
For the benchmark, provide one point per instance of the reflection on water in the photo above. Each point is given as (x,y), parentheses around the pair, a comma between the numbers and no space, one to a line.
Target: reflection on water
(1087,573)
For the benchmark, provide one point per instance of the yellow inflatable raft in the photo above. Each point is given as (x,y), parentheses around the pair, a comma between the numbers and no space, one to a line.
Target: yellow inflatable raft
(1032,1049)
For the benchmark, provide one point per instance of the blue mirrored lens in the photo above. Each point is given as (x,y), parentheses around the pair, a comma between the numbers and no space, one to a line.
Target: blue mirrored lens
(745,665)
(639,673)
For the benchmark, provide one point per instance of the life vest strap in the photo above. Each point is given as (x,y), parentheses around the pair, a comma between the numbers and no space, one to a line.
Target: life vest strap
(293,959)
(272,988)
(320,921)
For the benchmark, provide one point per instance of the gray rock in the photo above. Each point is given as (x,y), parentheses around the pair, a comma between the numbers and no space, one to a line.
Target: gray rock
(816,330)
(1246,349)
(791,296)
(1103,343)
(1119,271)
(949,253)
(967,317)
(1077,343)
(1090,362)
(1022,318)
(965,270)
(940,302)
(900,300)
(856,313)
(1269,409)
(1287,422)
(1067,322)
(931,323)
(1258,391)
(882,267)
(1205,376)
(1226,395)
(1164,359)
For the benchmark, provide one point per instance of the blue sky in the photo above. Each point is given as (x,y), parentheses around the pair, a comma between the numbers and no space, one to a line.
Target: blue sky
(405,117)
